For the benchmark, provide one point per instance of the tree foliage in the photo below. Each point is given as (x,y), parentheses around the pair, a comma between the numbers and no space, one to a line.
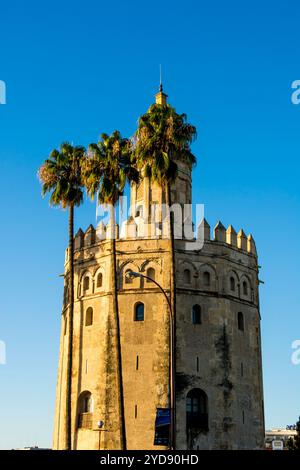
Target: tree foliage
(162,139)
(60,175)
(107,166)
(294,443)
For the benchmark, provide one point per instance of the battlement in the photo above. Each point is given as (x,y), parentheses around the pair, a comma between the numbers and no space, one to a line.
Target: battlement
(129,231)
(227,236)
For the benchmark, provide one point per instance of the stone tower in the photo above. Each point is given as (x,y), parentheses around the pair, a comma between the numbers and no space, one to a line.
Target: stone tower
(219,392)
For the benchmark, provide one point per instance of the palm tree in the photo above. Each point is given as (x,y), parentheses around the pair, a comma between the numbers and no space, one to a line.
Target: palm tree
(163,138)
(106,169)
(60,175)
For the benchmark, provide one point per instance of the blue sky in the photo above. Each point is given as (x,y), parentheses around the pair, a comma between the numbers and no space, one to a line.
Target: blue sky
(75,69)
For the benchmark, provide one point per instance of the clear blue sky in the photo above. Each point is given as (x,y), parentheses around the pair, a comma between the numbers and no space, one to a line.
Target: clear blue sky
(74,69)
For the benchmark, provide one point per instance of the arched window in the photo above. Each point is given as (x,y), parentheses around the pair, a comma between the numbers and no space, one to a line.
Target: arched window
(151,274)
(206,279)
(89,317)
(139,312)
(99,280)
(85,415)
(245,288)
(86,283)
(187,276)
(197,410)
(128,279)
(232,283)
(240,321)
(139,211)
(196,314)
(87,403)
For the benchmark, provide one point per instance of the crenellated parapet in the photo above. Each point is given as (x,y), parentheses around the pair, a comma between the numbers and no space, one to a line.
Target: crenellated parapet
(223,255)
(221,236)
(228,237)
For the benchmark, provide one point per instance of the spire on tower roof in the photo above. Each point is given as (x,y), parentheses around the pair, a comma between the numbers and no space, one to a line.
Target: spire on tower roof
(160,79)
(161,97)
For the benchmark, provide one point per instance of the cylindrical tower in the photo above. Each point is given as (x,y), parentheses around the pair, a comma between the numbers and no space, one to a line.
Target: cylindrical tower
(219,393)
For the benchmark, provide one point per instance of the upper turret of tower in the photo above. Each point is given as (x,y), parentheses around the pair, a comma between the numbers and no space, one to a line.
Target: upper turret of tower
(147,193)
(161,97)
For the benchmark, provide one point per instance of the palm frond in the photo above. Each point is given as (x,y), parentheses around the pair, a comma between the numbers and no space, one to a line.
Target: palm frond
(61,175)
(163,138)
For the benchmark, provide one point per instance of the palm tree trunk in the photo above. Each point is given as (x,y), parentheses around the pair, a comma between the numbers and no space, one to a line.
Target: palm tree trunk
(70,342)
(173,306)
(117,324)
